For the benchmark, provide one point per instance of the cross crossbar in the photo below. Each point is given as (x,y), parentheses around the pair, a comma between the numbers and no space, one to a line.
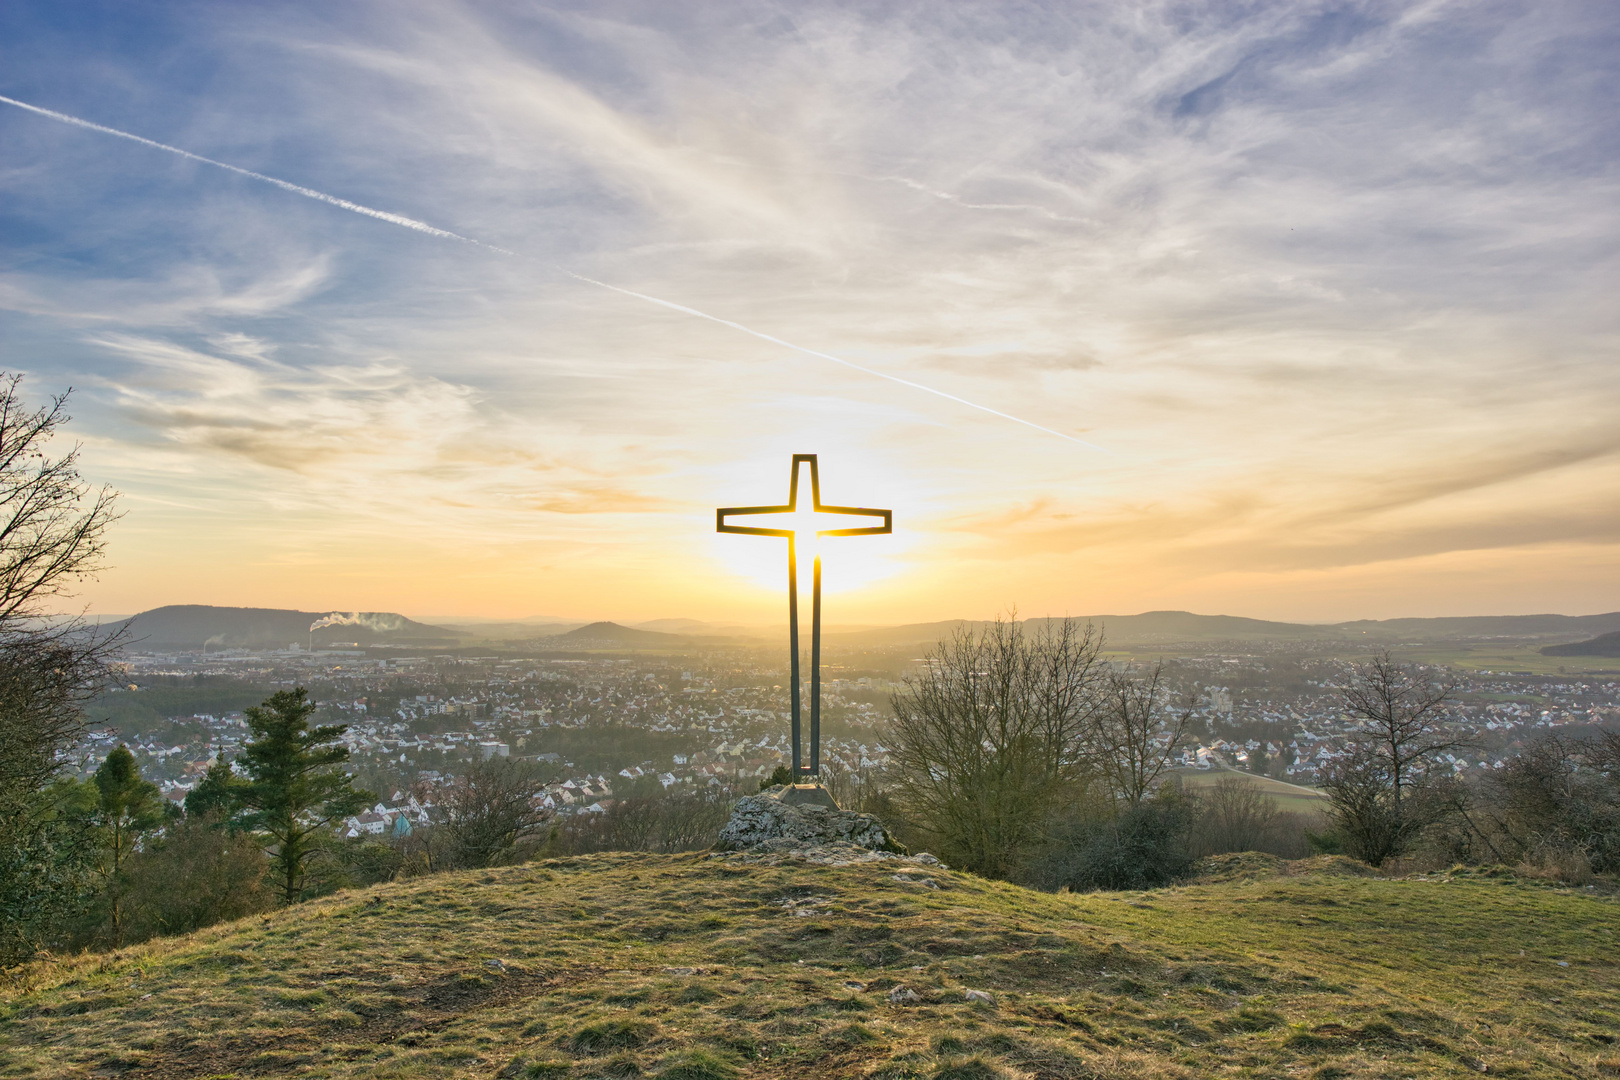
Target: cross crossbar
(800,769)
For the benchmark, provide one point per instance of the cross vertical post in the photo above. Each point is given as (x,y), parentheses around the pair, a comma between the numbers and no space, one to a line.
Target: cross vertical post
(809,524)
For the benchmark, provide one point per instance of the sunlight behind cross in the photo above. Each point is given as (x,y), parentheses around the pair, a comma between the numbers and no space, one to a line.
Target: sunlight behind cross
(804,524)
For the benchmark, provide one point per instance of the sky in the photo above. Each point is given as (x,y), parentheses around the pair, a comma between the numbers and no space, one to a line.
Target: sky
(1291,310)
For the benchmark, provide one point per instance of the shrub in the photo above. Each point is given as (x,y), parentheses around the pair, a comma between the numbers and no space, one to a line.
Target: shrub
(199,874)
(1144,847)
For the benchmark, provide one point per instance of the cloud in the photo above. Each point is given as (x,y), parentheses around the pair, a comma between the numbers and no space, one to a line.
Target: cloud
(182,295)
(1330,281)
(284,418)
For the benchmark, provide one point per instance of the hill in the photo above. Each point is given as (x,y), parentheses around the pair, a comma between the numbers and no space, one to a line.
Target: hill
(611,633)
(691,967)
(197,626)
(1174,627)
(1602,645)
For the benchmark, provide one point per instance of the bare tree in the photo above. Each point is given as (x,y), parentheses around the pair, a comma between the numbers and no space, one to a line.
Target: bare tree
(1134,733)
(1401,719)
(52,535)
(1236,815)
(1361,806)
(489,811)
(53,527)
(989,737)
(1399,738)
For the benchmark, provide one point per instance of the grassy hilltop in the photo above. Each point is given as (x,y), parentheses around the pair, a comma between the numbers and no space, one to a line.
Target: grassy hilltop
(689,967)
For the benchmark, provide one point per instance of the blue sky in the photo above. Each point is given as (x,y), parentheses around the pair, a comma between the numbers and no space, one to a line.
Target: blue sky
(1324,291)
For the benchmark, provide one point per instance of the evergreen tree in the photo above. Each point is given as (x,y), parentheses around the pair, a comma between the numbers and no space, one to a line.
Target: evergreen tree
(296,785)
(219,794)
(126,807)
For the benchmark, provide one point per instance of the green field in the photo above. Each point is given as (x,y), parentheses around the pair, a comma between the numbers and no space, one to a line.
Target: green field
(1504,657)
(687,967)
(1289,796)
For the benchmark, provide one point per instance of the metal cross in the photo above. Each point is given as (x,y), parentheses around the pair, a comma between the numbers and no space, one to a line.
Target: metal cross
(809,525)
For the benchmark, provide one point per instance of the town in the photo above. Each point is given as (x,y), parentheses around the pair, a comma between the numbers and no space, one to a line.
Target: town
(599,724)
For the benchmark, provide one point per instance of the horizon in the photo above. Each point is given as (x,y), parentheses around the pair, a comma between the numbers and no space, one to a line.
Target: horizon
(774,624)
(1303,313)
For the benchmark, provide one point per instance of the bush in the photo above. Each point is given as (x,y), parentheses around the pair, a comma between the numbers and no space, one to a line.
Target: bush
(198,874)
(1236,815)
(678,820)
(1146,846)
(780,777)
(1557,807)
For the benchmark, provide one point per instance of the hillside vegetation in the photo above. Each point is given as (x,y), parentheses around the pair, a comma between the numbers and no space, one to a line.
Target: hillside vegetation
(693,966)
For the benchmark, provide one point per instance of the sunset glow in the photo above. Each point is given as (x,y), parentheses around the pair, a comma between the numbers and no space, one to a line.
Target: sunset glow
(1285,310)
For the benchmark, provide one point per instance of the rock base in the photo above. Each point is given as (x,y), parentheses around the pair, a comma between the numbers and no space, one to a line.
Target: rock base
(796,816)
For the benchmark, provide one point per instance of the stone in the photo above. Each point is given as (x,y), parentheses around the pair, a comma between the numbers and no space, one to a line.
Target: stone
(796,820)
(927,882)
(979,995)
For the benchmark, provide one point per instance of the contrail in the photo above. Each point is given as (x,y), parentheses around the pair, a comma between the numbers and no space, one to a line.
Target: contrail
(296,189)
(431,230)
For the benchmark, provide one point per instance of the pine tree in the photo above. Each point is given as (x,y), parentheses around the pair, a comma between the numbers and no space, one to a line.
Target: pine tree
(126,807)
(296,786)
(219,794)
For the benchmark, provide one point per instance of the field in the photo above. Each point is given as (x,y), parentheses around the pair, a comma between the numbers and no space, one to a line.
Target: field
(1505,656)
(1293,797)
(689,967)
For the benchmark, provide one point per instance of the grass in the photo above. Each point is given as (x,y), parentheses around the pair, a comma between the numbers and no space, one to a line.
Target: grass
(690,968)
(1307,800)
(1503,656)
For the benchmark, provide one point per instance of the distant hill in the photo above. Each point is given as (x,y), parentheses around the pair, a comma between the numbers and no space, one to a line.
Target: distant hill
(509,631)
(1603,645)
(191,626)
(199,626)
(1153,627)
(611,634)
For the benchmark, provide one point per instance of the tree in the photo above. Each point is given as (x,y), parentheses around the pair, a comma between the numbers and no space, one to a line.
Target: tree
(1236,815)
(218,795)
(1362,807)
(1133,736)
(489,810)
(1400,736)
(1401,720)
(126,807)
(52,534)
(195,875)
(989,737)
(296,786)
